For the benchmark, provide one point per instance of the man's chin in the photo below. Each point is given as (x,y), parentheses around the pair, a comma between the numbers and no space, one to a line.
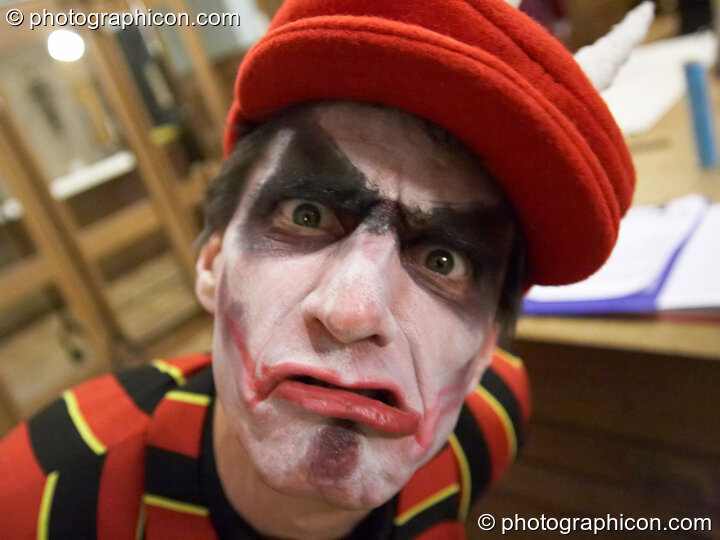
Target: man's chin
(335,465)
(351,494)
(356,498)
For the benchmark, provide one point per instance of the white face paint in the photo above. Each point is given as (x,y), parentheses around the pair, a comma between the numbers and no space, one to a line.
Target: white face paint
(357,286)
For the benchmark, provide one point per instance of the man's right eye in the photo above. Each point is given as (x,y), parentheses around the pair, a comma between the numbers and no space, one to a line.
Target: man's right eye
(307,218)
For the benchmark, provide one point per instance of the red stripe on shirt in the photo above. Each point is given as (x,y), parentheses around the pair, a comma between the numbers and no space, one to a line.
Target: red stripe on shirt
(22,483)
(121,488)
(177,426)
(18,466)
(189,364)
(164,524)
(109,411)
(439,473)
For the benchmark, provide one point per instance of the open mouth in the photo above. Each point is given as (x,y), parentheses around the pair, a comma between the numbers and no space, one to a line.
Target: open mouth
(382,395)
(380,408)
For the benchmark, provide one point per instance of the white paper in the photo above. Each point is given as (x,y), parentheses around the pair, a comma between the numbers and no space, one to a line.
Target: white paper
(649,236)
(694,281)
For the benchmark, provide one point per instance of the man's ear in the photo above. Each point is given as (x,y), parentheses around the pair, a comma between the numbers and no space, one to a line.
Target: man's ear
(206,274)
(484,356)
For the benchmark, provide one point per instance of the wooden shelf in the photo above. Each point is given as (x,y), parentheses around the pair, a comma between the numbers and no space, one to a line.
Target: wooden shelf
(153,306)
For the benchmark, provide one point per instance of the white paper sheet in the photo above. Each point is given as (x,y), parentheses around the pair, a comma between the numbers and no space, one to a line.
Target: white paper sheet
(694,281)
(649,235)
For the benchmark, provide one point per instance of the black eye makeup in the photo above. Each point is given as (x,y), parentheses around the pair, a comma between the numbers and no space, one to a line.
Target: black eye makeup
(315,196)
(312,168)
(476,238)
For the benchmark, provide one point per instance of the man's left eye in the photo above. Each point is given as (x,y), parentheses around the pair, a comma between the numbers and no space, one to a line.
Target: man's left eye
(443,260)
(307,217)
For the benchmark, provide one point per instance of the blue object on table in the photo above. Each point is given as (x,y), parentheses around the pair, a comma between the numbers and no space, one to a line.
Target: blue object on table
(703,117)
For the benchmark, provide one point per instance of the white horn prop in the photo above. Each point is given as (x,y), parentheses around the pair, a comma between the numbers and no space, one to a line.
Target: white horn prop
(602,60)
(514,3)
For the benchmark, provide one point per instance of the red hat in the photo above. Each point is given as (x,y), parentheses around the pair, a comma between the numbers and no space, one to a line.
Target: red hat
(485,72)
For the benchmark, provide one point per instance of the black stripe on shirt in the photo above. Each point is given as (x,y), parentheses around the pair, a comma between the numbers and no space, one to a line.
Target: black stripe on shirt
(55,440)
(494,384)
(173,476)
(146,386)
(73,513)
(473,443)
(201,382)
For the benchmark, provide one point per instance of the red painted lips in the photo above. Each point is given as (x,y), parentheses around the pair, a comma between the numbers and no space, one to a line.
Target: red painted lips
(359,405)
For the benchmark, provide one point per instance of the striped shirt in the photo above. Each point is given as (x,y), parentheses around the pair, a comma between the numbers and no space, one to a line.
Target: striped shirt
(130,456)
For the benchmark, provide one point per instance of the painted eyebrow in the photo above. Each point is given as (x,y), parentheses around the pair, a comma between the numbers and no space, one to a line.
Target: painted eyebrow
(480,232)
(312,167)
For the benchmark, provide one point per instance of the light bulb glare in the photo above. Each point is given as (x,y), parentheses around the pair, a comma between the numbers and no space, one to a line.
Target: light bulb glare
(65,45)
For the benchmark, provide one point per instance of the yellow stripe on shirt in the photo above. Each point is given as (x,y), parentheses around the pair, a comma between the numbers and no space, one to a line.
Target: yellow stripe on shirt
(46,505)
(140,525)
(464,477)
(511,359)
(81,425)
(504,419)
(188,397)
(174,371)
(175,506)
(441,495)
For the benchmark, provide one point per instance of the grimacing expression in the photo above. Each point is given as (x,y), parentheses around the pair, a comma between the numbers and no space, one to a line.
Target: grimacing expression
(354,299)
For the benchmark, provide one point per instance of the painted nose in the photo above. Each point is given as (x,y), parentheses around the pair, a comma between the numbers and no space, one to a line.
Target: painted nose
(353,297)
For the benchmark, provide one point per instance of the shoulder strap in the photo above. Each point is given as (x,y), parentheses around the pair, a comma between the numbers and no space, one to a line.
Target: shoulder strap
(435,502)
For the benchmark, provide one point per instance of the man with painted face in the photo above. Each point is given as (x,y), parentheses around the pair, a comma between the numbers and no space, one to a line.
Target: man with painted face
(397,174)
(355,298)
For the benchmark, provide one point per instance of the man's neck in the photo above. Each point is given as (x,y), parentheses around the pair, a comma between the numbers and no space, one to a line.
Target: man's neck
(271,513)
